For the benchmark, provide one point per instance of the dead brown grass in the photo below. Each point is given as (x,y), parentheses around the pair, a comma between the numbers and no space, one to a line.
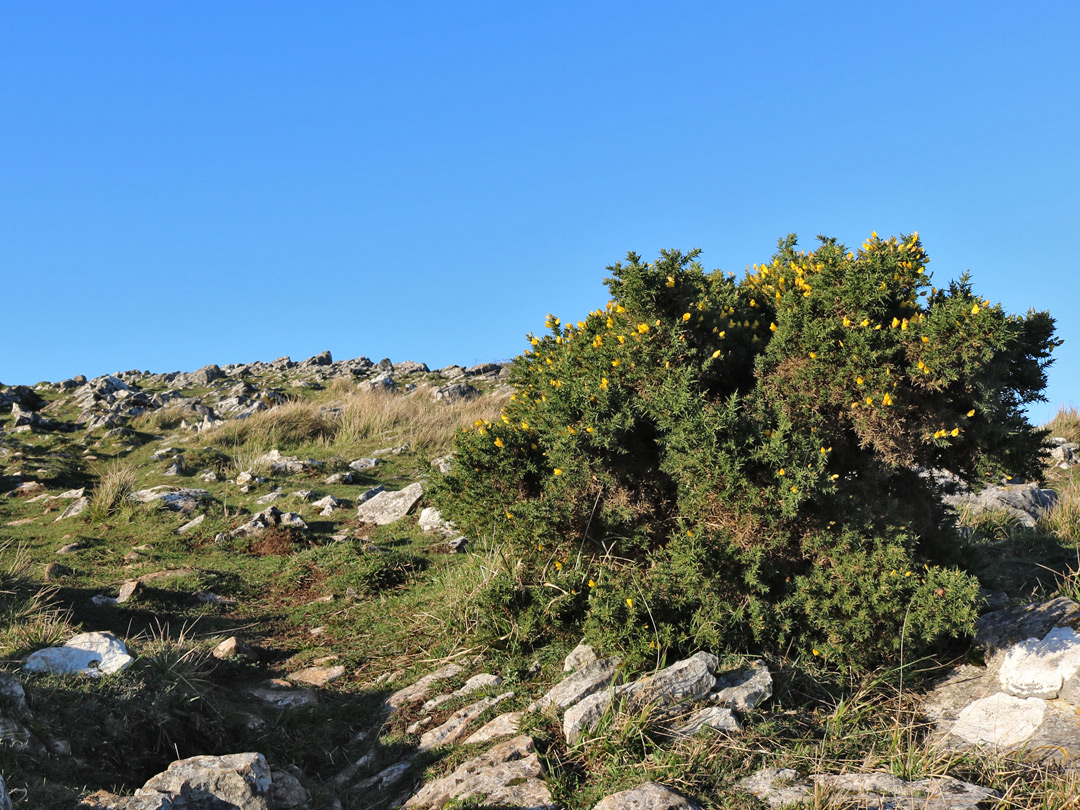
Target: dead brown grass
(1066,423)
(352,423)
(416,419)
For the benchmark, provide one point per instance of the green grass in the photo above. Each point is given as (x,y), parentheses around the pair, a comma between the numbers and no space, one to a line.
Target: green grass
(396,614)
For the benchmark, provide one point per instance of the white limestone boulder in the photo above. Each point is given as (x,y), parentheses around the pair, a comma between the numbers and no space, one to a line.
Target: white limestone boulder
(92,654)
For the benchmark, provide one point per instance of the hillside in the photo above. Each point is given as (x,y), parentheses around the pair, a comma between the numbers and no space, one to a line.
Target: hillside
(258,539)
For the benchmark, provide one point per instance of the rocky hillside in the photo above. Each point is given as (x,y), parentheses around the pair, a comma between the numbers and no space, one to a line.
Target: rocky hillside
(225,588)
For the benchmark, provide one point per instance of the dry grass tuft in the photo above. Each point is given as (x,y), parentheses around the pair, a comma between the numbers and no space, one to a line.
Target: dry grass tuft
(167,418)
(288,425)
(114,485)
(1066,423)
(426,425)
(1063,519)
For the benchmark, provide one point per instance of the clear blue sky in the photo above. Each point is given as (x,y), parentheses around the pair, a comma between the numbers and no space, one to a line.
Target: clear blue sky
(206,182)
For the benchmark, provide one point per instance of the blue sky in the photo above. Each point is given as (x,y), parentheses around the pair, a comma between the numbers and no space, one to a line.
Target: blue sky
(193,183)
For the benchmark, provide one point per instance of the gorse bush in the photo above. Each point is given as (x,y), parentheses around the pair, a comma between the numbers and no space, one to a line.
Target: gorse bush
(743,464)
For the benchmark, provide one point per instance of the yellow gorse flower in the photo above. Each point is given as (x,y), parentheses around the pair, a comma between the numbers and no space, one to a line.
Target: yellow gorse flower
(499,443)
(670,282)
(686,317)
(643,328)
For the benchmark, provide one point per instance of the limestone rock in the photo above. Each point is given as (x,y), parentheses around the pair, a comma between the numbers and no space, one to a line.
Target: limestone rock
(419,689)
(580,684)
(269,518)
(662,693)
(178,499)
(689,679)
(240,781)
(368,494)
(475,683)
(128,591)
(287,793)
(715,717)
(1000,720)
(581,655)
(458,723)
(431,521)
(1040,669)
(455,392)
(77,507)
(779,787)
(743,689)
(1025,503)
(12,694)
(505,725)
(234,647)
(362,464)
(191,524)
(317,676)
(585,715)
(328,505)
(649,796)
(387,507)
(507,775)
(1000,629)
(92,654)
(278,695)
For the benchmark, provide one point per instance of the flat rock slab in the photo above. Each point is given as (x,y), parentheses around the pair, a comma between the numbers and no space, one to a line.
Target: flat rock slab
(284,699)
(455,727)
(474,684)
(583,682)
(387,507)
(996,708)
(779,787)
(505,725)
(317,676)
(93,654)
(77,507)
(178,499)
(419,689)
(649,796)
(508,775)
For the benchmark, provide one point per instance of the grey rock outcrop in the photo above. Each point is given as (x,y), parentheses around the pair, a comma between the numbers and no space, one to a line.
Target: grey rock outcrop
(507,775)
(177,499)
(649,796)
(583,682)
(240,781)
(1025,503)
(779,787)
(1025,700)
(387,507)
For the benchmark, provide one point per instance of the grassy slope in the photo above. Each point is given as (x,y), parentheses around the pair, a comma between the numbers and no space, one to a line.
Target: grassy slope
(393,618)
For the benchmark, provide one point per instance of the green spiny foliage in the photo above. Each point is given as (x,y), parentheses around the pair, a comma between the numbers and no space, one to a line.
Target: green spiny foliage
(735,463)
